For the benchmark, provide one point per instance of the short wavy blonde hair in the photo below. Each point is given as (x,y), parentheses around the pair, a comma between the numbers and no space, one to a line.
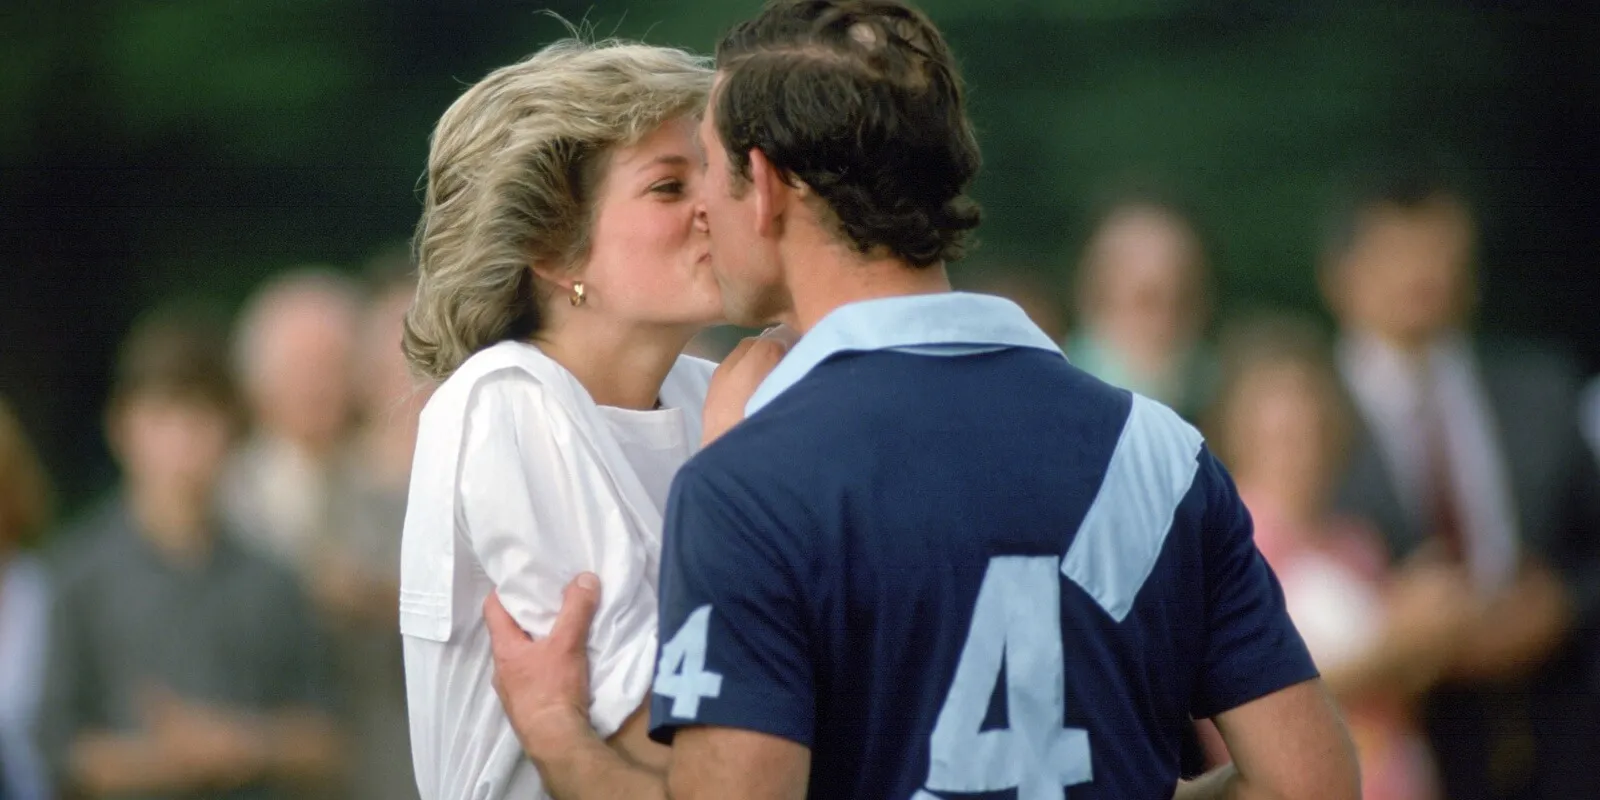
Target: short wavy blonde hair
(513,171)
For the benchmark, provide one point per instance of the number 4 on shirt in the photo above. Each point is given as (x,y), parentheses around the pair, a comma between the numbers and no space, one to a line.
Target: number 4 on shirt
(1017,622)
(681,674)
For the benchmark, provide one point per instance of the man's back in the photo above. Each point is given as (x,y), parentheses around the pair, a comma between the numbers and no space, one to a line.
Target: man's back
(985,573)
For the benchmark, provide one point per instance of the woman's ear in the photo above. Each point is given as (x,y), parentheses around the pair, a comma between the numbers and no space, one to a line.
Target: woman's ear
(553,275)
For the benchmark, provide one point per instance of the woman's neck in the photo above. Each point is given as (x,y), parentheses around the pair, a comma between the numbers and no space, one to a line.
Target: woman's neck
(619,367)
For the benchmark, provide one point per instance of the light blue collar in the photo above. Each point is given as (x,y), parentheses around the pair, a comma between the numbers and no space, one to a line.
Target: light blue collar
(947,323)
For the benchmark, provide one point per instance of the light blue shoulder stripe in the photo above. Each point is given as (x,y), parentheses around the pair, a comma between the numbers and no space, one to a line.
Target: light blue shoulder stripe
(1150,473)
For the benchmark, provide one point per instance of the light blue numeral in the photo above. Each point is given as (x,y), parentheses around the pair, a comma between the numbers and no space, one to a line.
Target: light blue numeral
(1017,620)
(681,674)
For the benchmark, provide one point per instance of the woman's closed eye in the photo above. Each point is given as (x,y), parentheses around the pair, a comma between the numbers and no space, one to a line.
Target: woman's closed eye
(669,188)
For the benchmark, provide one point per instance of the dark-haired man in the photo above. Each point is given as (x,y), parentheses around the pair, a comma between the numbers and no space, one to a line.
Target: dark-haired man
(933,559)
(182,663)
(1471,455)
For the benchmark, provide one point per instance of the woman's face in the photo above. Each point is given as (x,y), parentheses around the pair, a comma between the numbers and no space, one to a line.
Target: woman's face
(650,254)
(1279,427)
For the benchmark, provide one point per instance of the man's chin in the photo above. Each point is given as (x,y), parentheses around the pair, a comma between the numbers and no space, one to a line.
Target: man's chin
(753,312)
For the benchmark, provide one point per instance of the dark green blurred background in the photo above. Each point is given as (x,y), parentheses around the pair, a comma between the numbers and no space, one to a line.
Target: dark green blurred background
(172,147)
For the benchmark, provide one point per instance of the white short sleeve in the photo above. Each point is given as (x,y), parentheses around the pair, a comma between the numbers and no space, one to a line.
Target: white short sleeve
(534,520)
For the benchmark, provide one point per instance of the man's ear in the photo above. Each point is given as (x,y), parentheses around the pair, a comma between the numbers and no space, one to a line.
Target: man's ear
(772,192)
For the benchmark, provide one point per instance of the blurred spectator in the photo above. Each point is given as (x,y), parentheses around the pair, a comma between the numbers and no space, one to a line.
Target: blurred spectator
(1026,290)
(1470,457)
(180,664)
(1142,306)
(359,575)
(1591,415)
(294,355)
(1281,425)
(24,612)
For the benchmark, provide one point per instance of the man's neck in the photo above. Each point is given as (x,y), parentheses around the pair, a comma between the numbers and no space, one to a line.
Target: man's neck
(619,367)
(1414,347)
(835,277)
(176,524)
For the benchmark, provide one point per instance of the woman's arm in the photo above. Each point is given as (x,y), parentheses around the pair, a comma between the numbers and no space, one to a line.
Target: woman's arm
(537,513)
(544,686)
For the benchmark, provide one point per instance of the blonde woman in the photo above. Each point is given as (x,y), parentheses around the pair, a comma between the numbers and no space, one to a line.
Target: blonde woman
(564,263)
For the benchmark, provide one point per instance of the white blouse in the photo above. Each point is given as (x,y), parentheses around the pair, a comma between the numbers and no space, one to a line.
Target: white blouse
(655,443)
(520,481)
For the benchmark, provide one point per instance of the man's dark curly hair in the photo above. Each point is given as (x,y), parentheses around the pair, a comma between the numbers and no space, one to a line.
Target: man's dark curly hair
(861,101)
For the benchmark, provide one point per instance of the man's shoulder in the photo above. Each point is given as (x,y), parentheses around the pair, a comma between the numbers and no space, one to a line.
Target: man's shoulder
(92,544)
(1529,364)
(263,574)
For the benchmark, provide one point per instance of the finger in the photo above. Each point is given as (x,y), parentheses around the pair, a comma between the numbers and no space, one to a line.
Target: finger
(783,334)
(503,628)
(579,602)
(737,354)
(764,355)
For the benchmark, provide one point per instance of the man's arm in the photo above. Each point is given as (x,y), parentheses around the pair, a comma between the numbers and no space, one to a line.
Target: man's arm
(1257,681)
(544,686)
(302,744)
(1517,630)
(183,746)
(586,768)
(1287,745)
(711,763)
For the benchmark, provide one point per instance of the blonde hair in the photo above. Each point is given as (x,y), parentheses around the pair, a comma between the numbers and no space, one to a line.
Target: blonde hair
(25,496)
(513,170)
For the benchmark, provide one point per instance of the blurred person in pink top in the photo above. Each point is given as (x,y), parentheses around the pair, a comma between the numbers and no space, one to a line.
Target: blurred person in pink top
(1281,425)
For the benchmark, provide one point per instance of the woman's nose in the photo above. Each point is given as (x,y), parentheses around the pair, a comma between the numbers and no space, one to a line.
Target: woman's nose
(702,223)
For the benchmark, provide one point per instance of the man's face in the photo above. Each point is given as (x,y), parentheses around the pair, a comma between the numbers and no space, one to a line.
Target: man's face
(171,445)
(1407,274)
(745,261)
(301,381)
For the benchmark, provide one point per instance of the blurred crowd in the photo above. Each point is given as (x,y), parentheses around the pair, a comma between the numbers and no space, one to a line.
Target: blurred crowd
(225,624)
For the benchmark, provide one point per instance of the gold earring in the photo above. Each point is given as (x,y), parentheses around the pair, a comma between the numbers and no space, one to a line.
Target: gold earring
(577,293)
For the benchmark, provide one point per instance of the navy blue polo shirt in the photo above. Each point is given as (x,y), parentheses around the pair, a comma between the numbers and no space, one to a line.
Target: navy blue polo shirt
(953,565)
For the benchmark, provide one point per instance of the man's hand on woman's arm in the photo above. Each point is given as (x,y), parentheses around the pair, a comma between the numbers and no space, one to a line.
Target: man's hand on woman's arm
(544,686)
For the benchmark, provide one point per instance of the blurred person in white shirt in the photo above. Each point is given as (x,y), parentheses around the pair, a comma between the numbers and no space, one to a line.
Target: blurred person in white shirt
(564,264)
(1142,305)
(295,345)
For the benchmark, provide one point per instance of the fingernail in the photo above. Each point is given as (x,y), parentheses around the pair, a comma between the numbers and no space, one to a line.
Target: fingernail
(588,581)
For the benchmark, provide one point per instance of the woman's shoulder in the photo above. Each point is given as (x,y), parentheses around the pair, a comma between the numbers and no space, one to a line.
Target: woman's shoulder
(493,373)
(500,385)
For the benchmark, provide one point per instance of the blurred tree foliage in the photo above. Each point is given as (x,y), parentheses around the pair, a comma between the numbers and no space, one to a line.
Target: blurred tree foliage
(154,147)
